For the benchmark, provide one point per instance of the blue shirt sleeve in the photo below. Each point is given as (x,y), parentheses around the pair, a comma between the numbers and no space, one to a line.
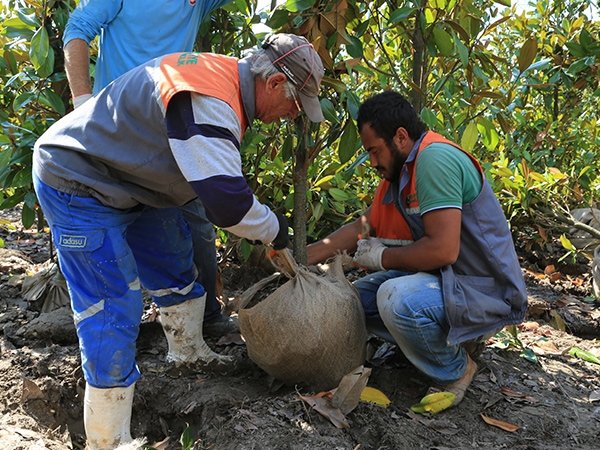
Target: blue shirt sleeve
(87,20)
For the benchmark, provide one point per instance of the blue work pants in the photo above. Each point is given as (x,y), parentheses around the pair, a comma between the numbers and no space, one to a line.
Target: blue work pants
(106,255)
(205,255)
(408,309)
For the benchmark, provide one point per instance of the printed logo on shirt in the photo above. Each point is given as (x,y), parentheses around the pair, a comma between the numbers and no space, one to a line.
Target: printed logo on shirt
(192,2)
(187,58)
(411,199)
(71,241)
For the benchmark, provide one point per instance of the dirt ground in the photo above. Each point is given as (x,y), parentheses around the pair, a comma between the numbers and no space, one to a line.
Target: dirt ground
(551,398)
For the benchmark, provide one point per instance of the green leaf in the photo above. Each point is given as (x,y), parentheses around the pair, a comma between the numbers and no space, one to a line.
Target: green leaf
(318,211)
(338,194)
(22,100)
(355,47)
(463,52)
(12,201)
(27,216)
(353,103)
(15,27)
(585,38)
(48,67)
(52,101)
(329,111)
(28,17)
(289,202)
(429,117)
(527,54)
(30,200)
(298,5)
(338,85)
(443,41)
(23,178)
(469,137)
(579,353)
(348,141)
(400,15)
(489,135)
(38,51)
(277,19)
(529,355)
(186,440)
(576,49)
(286,148)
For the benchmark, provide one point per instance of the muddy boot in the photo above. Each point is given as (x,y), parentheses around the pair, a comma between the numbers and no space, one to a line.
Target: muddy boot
(182,325)
(107,416)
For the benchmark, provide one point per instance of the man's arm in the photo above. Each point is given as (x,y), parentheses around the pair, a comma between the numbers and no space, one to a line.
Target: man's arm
(439,247)
(344,238)
(77,66)
(85,23)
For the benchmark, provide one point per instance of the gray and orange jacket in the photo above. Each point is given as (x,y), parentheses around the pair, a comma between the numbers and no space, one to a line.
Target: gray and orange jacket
(484,289)
(142,140)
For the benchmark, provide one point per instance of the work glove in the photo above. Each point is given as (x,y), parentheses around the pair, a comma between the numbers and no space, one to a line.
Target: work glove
(369,254)
(80,100)
(282,239)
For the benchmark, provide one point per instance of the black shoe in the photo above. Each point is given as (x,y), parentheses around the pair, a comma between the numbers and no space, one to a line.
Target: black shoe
(221,326)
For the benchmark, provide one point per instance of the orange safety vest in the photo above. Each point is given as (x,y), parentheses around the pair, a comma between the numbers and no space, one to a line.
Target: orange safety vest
(205,73)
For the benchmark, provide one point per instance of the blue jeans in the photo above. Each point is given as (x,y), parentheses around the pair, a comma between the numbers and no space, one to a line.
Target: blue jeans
(106,254)
(408,310)
(205,255)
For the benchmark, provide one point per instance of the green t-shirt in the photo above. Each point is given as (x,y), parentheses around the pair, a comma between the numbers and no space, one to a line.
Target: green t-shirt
(446,178)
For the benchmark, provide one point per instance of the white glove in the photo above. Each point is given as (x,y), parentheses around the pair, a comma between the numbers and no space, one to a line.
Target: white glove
(369,254)
(80,100)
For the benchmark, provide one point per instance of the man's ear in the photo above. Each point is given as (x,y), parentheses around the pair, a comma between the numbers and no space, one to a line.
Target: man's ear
(275,80)
(401,138)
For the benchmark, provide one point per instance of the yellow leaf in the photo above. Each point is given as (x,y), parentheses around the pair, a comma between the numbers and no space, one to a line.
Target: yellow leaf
(434,403)
(373,395)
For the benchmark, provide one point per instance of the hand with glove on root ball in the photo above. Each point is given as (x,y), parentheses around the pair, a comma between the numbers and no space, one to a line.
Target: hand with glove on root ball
(445,274)
(110,178)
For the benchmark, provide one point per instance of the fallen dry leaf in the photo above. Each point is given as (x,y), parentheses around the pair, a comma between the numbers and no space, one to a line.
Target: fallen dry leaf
(557,322)
(550,269)
(529,326)
(31,391)
(500,424)
(554,277)
(322,404)
(347,395)
(510,393)
(535,274)
(545,347)
(162,445)
(566,300)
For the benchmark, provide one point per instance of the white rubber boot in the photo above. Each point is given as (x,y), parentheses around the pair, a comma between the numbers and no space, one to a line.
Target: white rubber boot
(107,416)
(182,325)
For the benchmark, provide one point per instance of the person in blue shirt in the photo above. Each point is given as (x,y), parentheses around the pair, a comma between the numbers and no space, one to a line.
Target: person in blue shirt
(131,33)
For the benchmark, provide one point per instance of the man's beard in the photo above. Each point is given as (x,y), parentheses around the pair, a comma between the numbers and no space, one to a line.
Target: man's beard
(397,163)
